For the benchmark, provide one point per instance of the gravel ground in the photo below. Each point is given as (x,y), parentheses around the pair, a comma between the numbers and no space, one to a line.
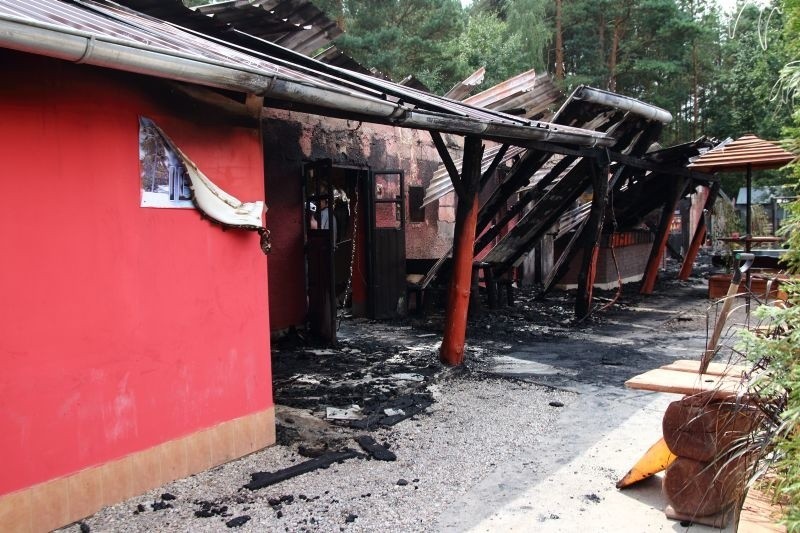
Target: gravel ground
(440,454)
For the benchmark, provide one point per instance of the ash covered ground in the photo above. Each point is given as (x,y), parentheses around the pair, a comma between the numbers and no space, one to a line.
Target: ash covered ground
(393,440)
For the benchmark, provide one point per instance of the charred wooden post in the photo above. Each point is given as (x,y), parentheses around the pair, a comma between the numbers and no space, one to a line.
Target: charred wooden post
(455,329)
(699,236)
(677,189)
(592,235)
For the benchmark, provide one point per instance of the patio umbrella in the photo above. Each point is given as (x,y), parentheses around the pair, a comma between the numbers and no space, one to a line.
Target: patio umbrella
(747,153)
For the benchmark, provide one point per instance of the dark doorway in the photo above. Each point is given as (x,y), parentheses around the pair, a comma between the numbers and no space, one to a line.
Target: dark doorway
(387,244)
(331,198)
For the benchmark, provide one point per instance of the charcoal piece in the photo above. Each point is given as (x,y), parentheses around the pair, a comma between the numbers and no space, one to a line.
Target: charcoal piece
(168,497)
(402,482)
(84,527)
(239,521)
(351,518)
(208,509)
(160,506)
(555,404)
(287,498)
(140,508)
(259,480)
(375,450)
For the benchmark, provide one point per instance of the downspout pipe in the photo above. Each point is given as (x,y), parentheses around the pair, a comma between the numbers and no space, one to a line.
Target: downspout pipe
(79,46)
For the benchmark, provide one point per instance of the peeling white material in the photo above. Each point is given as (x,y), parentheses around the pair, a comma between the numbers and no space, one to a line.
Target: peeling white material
(213,201)
(393,412)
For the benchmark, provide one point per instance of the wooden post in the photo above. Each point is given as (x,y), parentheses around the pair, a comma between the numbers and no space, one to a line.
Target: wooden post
(455,329)
(699,236)
(660,243)
(591,243)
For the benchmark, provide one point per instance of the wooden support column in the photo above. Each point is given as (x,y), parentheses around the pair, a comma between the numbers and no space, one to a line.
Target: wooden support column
(591,242)
(662,235)
(455,328)
(699,235)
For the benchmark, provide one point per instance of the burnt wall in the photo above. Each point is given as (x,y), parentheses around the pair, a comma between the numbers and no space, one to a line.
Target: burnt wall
(291,139)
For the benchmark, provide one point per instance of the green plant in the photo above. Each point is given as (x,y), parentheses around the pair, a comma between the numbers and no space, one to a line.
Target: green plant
(776,355)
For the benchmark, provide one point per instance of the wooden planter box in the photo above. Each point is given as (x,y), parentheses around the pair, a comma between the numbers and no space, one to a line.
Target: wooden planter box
(718,285)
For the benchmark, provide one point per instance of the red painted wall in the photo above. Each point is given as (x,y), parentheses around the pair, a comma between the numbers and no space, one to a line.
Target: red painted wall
(122,327)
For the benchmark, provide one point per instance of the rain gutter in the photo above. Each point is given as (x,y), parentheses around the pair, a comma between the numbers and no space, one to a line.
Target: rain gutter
(79,46)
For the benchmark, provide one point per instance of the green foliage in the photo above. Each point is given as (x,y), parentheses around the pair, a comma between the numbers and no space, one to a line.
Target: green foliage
(778,390)
(403,37)
(744,87)
(488,41)
(779,352)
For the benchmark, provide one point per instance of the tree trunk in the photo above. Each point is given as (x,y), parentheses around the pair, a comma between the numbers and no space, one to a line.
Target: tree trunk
(695,91)
(614,53)
(559,43)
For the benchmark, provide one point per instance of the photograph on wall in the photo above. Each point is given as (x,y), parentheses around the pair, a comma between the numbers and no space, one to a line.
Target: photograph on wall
(164,180)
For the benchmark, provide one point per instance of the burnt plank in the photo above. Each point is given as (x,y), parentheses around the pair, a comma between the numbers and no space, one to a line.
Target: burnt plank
(375,450)
(259,480)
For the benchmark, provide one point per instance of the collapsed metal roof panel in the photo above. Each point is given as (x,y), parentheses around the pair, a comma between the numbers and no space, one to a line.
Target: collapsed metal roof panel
(310,28)
(536,102)
(519,91)
(632,123)
(497,95)
(462,89)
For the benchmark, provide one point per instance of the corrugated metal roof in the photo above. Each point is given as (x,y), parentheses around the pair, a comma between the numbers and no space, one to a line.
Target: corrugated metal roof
(496,96)
(311,28)
(177,13)
(462,89)
(128,26)
(127,40)
(517,91)
(333,56)
(745,151)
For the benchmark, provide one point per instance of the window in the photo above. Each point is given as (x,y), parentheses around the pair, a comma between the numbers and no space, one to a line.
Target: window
(164,181)
(416,213)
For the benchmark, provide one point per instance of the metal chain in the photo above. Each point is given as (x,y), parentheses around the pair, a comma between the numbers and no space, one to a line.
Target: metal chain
(349,286)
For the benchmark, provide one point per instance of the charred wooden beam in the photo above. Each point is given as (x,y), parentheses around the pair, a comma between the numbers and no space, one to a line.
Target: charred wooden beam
(455,329)
(447,160)
(544,214)
(259,480)
(498,158)
(591,242)
(526,199)
(699,235)
(678,187)
(519,176)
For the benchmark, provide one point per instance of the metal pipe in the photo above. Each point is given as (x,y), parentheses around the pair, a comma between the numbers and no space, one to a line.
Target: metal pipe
(623,103)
